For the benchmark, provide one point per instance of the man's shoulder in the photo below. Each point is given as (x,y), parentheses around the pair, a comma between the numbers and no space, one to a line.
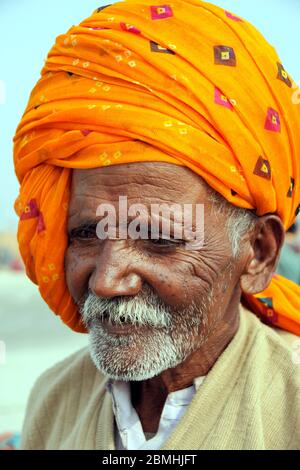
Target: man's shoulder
(279,340)
(67,367)
(58,396)
(274,392)
(276,348)
(287,340)
(71,375)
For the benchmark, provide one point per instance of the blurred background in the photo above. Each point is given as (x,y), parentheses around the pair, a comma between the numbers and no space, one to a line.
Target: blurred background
(31,337)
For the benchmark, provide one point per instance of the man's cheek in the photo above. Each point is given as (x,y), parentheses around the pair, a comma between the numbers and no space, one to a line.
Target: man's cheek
(77,275)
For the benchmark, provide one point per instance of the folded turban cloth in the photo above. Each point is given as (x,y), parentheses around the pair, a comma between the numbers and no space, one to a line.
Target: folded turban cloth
(184,82)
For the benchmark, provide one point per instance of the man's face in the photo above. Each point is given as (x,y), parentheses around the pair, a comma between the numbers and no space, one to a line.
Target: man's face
(147,304)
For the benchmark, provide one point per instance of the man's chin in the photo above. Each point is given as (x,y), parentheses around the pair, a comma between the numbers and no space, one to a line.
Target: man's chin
(123,371)
(134,356)
(124,375)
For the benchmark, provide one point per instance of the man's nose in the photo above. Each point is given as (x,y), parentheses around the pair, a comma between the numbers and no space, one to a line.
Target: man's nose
(115,273)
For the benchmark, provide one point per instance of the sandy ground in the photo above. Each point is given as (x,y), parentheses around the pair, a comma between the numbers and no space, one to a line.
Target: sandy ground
(34,340)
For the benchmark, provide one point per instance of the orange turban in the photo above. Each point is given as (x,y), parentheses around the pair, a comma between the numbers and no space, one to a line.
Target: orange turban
(184,82)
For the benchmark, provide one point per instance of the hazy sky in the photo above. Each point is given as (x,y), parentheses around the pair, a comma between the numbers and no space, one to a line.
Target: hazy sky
(28,29)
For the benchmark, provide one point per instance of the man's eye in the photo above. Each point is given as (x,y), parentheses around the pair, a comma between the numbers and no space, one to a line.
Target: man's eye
(83,234)
(166,242)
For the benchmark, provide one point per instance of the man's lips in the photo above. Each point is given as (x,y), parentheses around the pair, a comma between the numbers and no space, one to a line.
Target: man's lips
(122,328)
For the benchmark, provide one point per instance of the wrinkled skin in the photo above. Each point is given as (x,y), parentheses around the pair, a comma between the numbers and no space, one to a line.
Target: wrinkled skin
(114,268)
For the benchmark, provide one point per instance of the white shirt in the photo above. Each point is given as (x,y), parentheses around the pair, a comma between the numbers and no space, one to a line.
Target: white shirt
(129,434)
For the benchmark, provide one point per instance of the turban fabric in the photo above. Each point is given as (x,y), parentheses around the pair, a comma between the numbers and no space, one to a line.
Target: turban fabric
(184,82)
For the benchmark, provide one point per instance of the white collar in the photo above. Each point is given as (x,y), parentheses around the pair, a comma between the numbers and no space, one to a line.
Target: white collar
(130,433)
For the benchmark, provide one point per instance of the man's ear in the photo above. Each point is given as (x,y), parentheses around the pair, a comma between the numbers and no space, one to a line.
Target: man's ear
(264,249)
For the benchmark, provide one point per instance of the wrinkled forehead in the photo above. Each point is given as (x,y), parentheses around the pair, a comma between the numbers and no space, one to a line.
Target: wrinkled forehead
(145,182)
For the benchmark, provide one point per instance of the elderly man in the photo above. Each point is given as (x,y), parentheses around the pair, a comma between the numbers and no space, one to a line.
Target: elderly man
(177,104)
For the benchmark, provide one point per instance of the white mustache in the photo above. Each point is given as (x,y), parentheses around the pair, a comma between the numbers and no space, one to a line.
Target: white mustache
(144,309)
